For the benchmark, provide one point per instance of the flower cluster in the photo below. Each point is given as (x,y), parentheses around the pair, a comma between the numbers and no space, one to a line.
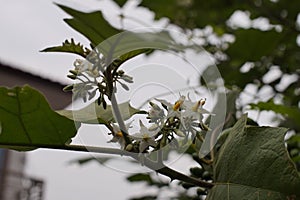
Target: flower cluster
(94,77)
(182,118)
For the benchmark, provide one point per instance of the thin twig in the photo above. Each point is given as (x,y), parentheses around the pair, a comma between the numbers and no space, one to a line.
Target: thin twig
(156,166)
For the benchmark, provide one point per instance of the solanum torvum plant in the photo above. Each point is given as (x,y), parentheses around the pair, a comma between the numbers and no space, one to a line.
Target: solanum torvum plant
(234,159)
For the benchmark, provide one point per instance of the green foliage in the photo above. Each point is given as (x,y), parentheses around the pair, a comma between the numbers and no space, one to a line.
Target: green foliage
(92,25)
(290,112)
(82,161)
(148,197)
(193,14)
(27,121)
(147,179)
(95,114)
(252,44)
(261,48)
(253,163)
(121,3)
(69,47)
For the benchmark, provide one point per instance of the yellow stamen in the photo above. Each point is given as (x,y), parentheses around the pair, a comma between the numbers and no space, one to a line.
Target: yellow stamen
(119,134)
(202,102)
(177,105)
(196,106)
(146,136)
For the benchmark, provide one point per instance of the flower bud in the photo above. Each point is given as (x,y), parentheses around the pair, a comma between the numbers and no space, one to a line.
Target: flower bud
(129,147)
(127,78)
(74,72)
(68,88)
(72,76)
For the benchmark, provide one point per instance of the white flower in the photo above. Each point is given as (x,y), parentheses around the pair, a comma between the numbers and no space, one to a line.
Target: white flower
(118,135)
(155,113)
(173,109)
(194,111)
(146,137)
(85,66)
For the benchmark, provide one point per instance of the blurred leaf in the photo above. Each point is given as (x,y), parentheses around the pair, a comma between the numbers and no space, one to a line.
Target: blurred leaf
(253,44)
(295,138)
(192,14)
(68,47)
(129,44)
(82,161)
(253,163)
(293,113)
(147,197)
(95,114)
(28,121)
(230,99)
(140,177)
(91,25)
(120,3)
(133,54)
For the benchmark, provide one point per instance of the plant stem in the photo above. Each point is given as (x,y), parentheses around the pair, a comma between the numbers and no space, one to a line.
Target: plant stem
(119,119)
(156,166)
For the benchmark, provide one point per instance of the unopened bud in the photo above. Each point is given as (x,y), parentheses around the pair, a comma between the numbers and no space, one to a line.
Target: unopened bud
(74,72)
(68,88)
(72,76)
(129,147)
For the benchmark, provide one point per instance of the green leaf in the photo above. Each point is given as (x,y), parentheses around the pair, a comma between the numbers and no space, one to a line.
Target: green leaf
(28,122)
(82,161)
(95,114)
(253,44)
(120,3)
(253,163)
(191,14)
(291,112)
(140,178)
(133,54)
(127,56)
(69,47)
(91,25)
(147,197)
(250,46)
(129,44)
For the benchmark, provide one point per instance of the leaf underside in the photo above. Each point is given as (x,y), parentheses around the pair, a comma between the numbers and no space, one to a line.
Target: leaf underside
(95,114)
(253,164)
(28,121)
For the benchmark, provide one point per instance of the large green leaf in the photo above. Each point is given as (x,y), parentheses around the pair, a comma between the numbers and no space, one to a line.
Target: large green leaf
(253,163)
(135,43)
(28,122)
(91,25)
(95,114)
